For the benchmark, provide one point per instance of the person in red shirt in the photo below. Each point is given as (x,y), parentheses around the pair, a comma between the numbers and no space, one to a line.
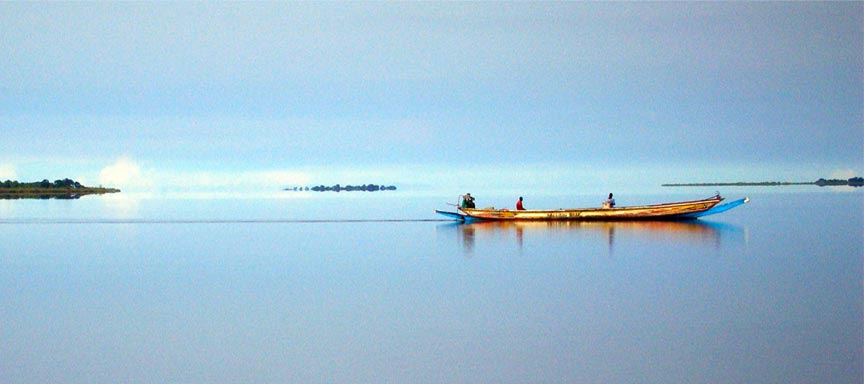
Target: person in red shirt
(519,206)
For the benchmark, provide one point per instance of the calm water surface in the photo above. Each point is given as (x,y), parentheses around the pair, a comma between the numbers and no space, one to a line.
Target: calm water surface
(274,290)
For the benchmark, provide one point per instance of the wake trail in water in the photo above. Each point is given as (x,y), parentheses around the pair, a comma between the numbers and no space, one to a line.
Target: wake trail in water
(211,221)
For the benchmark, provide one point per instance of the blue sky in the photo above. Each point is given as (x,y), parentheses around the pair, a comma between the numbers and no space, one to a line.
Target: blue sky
(162,96)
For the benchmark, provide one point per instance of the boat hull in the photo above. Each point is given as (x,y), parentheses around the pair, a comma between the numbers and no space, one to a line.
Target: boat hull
(685,210)
(452,215)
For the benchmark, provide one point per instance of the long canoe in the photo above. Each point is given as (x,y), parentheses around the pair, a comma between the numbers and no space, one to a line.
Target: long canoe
(683,210)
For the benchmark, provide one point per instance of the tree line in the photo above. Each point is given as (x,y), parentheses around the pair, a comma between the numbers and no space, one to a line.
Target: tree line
(44,184)
(854,181)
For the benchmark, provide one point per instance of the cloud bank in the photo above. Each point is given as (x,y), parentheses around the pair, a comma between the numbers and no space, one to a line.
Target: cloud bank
(7,172)
(123,173)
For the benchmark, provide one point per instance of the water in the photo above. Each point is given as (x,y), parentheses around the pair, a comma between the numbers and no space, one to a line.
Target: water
(106,289)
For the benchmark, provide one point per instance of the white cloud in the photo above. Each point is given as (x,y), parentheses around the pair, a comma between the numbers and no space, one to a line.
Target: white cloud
(124,173)
(7,172)
(131,178)
(843,174)
(230,181)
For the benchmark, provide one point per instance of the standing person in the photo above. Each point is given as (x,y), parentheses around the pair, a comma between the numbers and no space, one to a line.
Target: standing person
(467,201)
(610,202)
(519,206)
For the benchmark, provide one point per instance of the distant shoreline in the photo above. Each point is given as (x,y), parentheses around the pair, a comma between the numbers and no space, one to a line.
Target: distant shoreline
(345,188)
(853,182)
(41,193)
(739,184)
(59,189)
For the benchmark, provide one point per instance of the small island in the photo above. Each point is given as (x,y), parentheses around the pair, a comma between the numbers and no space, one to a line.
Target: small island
(59,189)
(852,182)
(346,188)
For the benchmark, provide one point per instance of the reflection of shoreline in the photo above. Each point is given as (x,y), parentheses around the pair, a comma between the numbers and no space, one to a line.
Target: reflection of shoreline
(52,193)
(38,197)
(695,231)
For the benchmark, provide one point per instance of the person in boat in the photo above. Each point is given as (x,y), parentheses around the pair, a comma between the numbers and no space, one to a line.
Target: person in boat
(519,206)
(610,202)
(467,201)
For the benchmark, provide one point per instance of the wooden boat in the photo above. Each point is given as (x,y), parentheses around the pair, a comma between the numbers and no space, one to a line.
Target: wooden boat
(684,210)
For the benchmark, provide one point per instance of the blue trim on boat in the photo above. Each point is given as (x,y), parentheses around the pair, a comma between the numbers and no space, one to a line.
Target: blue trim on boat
(719,208)
(452,215)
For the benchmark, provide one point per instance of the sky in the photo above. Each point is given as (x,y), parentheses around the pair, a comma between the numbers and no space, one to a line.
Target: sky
(166,96)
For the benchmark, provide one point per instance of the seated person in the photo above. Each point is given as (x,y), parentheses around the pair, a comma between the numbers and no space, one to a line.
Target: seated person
(467,201)
(609,203)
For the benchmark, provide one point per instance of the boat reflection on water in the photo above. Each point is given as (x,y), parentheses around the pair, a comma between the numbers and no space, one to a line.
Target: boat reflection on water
(697,232)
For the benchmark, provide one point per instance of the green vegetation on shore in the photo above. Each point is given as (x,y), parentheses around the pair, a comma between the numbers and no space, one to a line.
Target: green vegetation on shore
(853,182)
(59,189)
